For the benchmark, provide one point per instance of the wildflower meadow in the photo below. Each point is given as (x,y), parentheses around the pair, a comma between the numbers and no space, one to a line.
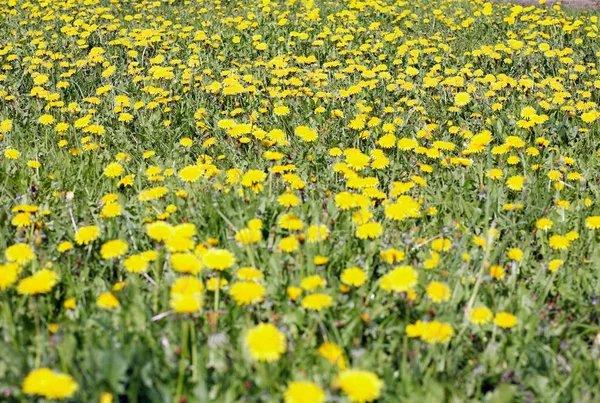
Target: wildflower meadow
(299,201)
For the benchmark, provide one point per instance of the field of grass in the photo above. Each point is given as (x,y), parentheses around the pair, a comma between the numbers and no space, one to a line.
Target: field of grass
(299,201)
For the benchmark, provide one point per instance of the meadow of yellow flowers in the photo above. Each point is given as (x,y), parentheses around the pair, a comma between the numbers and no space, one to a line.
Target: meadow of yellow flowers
(299,201)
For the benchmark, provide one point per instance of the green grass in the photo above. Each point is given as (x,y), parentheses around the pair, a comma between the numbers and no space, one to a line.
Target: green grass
(143,351)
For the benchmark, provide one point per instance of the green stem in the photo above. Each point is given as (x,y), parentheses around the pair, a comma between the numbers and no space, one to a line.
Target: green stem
(194,351)
(250,255)
(10,324)
(182,359)
(486,255)
(265,377)
(31,229)
(513,279)
(38,335)
(157,269)
(548,287)
(270,182)
(488,247)
(428,358)
(217,289)
(334,328)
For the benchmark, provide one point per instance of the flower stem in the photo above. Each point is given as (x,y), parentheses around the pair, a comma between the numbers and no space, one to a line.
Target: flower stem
(38,335)
(194,352)
(484,263)
(10,324)
(182,359)
(157,270)
(217,289)
(250,255)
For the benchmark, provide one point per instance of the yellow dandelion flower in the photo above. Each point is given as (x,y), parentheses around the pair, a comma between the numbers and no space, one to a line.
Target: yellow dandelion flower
(111,210)
(303,392)
(333,353)
(544,224)
(360,386)
(8,275)
(136,264)
(265,343)
(249,274)
(218,259)
(247,292)
(289,244)
(354,276)
(436,332)
(211,284)
(107,300)
(480,315)
(86,235)
(515,254)
(400,279)
(21,220)
(313,282)
(288,200)
(317,233)
(391,256)
(555,264)
(405,207)
(190,173)
(160,230)
(186,295)
(113,170)
(49,384)
(19,253)
(370,230)
(113,249)
(12,154)
(438,292)
(40,282)
(186,263)
(306,133)
(248,236)
(462,98)
(293,292)
(559,242)
(497,272)
(281,110)
(505,320)
(316,302)
(515,183)
(70,303)
(592,222)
